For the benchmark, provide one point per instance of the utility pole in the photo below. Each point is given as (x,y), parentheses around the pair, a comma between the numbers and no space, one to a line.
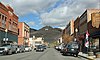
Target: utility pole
(6,39)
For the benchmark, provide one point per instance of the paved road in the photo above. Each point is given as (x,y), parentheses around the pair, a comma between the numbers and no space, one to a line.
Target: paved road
(49,54)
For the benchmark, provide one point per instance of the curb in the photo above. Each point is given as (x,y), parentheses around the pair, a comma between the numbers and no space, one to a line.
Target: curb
(89,57)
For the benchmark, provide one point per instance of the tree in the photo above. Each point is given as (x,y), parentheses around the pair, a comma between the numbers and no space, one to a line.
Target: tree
(67,38)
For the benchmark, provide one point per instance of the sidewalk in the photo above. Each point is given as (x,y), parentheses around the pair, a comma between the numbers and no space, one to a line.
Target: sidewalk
(88,57)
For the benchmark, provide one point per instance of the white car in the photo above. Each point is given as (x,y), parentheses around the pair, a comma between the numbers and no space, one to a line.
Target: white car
(28,48)
(8,49)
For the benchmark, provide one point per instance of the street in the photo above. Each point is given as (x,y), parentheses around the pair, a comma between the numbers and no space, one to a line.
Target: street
(48,54)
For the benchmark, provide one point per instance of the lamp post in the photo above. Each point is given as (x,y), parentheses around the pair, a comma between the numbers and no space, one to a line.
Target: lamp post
(76,30)
(6,39)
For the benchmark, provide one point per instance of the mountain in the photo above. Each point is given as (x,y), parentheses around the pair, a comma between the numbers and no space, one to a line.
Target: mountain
(32,31)
(48,33)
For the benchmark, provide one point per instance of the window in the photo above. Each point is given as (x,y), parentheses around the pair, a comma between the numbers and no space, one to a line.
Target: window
(5,18)
(2,17)
(4,21)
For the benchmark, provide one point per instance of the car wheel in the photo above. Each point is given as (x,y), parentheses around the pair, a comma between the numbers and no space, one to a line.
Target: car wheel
(15,52)
(72,54)
(63,54)
(4,53)
(10,52)
(76,55)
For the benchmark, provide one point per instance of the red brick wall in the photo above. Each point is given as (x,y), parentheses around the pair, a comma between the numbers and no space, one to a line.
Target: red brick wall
(4,10)
(20,41)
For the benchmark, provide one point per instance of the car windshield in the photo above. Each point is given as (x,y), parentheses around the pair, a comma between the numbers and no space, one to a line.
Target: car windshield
(40,46)
(72,46)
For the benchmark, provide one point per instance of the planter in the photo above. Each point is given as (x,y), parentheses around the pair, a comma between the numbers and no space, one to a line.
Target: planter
(98,55)
(90,54)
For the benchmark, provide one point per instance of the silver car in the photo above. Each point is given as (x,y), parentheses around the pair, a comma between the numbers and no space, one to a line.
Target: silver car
(8,49)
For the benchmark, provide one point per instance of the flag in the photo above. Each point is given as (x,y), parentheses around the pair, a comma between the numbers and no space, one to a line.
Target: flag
(87,42)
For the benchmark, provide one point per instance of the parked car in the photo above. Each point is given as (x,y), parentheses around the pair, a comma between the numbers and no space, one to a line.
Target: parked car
(14,48)
(39,48)
(59,47)
(44,46)
(63,47)
(71,48)
(56,47)
(21,49)
(8,49)
(28,48)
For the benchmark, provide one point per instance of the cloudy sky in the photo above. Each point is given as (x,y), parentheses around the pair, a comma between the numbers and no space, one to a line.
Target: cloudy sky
(56,13)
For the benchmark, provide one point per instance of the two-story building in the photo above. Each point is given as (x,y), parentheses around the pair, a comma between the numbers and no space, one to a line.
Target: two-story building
(85,18)
(68,32)
(8,25)
(24,34)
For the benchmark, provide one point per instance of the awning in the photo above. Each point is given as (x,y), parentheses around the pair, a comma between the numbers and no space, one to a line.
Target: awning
(95,34)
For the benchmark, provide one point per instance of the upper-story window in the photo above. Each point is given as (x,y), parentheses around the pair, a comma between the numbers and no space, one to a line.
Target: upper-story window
(2,17)
(18,32)
(10,24)
(3,21)
(5,18)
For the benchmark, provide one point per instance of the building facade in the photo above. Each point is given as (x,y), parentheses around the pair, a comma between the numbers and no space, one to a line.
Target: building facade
(38,41)
(68,32)
(70,28)
(76,27)
(8,24)
(85,18)
(89,22)
(94,30)
(23,35)
(85,25)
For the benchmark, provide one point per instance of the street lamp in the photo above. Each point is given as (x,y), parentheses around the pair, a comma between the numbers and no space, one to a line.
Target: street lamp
(6,39)
(76,30)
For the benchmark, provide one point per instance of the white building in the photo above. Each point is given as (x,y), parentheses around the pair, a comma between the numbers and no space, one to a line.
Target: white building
(60,40)
(33,42)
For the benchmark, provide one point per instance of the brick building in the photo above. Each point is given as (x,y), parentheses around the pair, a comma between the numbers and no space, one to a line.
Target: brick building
(88,21)
(85,18)
(76,26)
(23,35)
(68,32)
(94,30)
(8,22)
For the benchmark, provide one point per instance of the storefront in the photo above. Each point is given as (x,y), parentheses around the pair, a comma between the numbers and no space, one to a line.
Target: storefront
(94,30)
(95,40)
(10,37)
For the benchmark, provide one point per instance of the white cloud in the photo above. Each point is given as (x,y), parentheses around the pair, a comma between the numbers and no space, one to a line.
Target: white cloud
(59,16)
(31,23)
(55,17)
(67,11)
(22,7)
